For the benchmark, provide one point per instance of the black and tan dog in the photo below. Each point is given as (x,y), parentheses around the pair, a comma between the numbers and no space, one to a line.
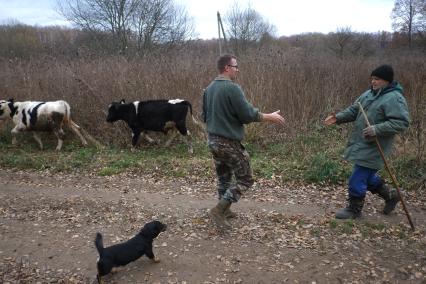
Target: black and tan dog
(124,253)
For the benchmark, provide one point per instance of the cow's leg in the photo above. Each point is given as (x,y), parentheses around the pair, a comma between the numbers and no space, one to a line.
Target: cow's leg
(76,129)
(186,135)
(188,141)
(38,139)
(135,138)
(60,134)
(15,132)
(56,122)
(147,138)
(14,140)
(172,136)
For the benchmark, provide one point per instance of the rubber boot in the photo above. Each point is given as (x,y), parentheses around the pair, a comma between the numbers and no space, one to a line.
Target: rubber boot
(352,210)
(217,214)
(230,214)
(391,197)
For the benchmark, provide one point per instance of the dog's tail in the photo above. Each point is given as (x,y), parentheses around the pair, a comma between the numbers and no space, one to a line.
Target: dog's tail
(99,244)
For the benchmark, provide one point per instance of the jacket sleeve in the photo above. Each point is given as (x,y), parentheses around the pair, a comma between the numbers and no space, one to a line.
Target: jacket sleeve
(397,117)
(349,114)
(244,110)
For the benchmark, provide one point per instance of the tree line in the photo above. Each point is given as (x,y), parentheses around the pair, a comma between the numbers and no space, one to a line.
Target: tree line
(136,27)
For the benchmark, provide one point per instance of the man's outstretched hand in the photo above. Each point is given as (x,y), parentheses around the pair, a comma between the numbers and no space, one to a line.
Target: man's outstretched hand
(331,119)
(274,117)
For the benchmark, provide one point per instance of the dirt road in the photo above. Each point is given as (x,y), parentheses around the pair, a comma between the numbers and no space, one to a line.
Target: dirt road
(283,234)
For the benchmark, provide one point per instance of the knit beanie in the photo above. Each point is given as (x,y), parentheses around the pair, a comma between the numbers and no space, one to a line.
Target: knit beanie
(384,72)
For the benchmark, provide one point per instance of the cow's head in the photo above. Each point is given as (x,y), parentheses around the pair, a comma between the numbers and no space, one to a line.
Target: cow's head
(7,109)
(114,111)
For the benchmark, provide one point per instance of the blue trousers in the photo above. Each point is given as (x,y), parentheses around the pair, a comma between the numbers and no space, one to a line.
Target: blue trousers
(362,180)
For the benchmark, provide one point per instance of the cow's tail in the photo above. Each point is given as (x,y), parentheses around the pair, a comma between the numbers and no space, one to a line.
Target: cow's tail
(77,130)
(91,138)
(67,112)
(80,132)
(194,119)
(188,104)
(99,244)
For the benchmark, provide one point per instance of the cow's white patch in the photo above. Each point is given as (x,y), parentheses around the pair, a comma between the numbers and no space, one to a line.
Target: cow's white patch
(175,101)
(136,103)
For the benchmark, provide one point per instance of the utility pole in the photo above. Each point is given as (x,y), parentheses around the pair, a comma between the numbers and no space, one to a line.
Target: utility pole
(219,30)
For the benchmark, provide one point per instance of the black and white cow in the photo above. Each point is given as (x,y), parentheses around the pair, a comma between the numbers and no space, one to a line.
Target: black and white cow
(39,116)
(153,115)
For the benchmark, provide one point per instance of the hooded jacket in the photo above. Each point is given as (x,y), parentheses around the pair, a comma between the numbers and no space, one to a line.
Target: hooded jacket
(387,110)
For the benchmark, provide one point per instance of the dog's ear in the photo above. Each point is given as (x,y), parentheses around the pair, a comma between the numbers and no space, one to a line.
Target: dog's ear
(152,229)
(160,226)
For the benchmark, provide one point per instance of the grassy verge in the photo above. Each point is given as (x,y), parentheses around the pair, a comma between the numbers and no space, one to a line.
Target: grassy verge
(307,158)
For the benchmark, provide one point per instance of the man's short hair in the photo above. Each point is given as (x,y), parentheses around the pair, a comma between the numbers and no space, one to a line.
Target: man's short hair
(223,61)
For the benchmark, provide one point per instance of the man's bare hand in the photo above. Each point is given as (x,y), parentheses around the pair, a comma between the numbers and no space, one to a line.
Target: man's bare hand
(274,117)
(331,119)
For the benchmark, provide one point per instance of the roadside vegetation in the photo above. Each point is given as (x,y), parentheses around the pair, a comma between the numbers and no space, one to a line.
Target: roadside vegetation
(305,76)
(314,158)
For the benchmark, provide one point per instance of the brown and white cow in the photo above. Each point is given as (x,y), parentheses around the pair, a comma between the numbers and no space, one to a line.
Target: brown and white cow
(39,116)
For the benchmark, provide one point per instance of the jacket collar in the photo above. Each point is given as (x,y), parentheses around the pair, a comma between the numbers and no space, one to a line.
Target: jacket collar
(389,88)
(221,77)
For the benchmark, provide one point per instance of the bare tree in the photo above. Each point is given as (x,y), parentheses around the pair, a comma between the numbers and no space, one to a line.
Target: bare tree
(246,26)
(159,22)
(103,15)
(149,21)
(345,42)
(407,17)
(384,38)
(341,40)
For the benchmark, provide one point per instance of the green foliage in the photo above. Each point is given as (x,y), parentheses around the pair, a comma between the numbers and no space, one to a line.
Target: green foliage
(307,158)
(322,168)
(5,137)
(409,172)
(333,224)
(316,232)
(367,228)
(171,162)
(345,227)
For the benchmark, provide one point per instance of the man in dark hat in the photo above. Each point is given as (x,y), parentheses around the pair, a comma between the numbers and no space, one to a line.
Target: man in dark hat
(387,112)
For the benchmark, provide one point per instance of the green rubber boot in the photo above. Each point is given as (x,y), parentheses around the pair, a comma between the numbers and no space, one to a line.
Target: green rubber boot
(230,214)
(353,210)
(391,197)
(217,214)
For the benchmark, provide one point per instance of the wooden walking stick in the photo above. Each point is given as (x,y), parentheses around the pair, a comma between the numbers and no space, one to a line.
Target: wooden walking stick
(395,183)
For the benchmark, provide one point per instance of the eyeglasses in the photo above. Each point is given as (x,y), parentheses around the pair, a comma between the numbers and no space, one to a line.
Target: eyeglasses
(235,66)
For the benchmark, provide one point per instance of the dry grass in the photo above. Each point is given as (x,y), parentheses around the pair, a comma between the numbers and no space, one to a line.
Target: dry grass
(305,87)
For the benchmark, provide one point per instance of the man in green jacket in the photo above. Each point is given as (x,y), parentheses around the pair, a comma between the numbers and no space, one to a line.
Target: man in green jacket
(388,115)
(225,111)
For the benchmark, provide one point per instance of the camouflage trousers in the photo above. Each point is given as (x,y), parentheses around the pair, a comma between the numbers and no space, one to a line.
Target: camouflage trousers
(232,161)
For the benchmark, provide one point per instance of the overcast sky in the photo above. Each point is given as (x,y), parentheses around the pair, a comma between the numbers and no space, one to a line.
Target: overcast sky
(289,16)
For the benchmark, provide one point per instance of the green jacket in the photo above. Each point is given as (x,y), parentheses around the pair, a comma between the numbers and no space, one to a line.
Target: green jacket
(226,109)
(387,110)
